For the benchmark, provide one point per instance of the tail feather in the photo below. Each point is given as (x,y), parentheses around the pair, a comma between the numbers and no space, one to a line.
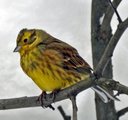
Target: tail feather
(103,94)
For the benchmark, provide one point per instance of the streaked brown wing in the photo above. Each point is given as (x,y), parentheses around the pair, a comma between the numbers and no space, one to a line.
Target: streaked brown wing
(71,58)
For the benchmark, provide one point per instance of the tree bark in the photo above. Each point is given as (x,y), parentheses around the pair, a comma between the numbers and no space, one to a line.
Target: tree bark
(99,40)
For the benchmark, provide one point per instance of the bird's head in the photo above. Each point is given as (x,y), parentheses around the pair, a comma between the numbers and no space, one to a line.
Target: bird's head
(28,39)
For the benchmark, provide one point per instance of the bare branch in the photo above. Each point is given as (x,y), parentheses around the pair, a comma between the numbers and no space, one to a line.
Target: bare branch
(122,112)
(21,102)
(113,85)
(114,8)
(120,88)
(111,46)
(109,14)
(24,102)
(66,117)
(74,107)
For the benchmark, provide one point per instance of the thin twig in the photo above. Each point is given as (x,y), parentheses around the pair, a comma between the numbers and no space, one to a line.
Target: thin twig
(118,16)
(66,117)
(122,112)
(74,107)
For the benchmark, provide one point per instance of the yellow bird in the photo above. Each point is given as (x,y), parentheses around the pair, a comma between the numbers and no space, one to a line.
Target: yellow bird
(51,63)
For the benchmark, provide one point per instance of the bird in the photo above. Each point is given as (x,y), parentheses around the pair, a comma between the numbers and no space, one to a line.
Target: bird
(51,63)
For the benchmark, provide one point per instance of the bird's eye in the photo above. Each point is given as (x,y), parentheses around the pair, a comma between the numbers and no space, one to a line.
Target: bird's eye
(25,40)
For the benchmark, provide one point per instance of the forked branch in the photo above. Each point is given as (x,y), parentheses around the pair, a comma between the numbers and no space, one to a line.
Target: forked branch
(115,10)
(109,14)
(110,47)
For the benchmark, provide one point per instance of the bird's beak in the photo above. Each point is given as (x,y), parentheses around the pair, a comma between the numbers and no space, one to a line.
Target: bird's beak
(17,49)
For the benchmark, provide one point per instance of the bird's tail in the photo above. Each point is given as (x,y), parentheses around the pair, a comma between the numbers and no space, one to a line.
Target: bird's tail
(103,94)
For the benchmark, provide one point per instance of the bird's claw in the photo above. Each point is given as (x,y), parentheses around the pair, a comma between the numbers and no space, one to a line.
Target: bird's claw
(42,97)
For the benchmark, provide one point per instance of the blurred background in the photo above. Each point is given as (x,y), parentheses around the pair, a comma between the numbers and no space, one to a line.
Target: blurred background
(68,21)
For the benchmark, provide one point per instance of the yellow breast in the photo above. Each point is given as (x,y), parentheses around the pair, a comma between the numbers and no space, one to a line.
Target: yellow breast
(44,68)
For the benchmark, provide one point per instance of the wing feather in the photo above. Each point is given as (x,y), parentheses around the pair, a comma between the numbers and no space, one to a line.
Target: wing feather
(70,57)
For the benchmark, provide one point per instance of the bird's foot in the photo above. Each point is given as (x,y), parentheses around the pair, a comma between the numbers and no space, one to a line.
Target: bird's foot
(42,97)
(53,94)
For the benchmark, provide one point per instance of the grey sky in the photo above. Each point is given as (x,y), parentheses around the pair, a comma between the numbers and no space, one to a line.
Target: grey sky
(68,21)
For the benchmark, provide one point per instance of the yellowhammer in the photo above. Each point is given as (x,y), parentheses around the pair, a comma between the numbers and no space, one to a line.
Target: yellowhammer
(51,63)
